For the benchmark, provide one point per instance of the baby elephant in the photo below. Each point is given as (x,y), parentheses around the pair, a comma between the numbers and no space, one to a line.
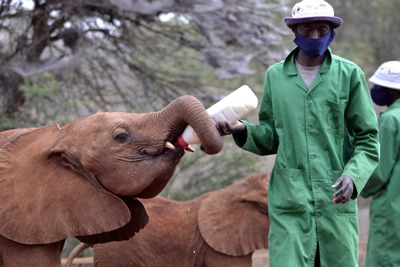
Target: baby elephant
(220,228)
(84,179)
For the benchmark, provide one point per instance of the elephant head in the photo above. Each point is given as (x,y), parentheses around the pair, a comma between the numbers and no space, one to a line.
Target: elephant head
(58,182)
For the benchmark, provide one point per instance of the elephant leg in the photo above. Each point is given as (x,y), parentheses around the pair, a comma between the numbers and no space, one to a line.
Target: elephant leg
(14,254)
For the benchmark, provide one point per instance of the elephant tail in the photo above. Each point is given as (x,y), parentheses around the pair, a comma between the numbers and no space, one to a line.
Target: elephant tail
(77,249)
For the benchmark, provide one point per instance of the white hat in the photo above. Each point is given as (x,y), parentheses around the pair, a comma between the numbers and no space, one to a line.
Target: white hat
(387,75)
(313,10)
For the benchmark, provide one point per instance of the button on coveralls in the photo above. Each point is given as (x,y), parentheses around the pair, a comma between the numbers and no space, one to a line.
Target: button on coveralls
(383,248)
(318,133)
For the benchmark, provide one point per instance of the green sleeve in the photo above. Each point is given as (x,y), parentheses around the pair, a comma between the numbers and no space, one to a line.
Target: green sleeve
(362,126)
(261,138)
(389,151)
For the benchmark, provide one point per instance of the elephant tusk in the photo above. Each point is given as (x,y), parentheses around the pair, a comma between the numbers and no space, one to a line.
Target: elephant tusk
(189,148)
(169,145)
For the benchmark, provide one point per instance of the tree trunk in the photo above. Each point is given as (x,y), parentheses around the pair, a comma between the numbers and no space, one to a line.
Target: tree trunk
(10,97)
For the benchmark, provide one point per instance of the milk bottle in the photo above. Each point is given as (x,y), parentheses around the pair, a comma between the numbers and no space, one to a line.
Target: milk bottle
(234,106)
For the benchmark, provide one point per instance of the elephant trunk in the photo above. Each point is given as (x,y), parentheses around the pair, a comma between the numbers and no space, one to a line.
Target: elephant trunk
(189,110)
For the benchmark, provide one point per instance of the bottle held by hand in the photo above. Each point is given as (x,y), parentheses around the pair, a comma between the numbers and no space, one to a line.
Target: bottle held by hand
(231,108)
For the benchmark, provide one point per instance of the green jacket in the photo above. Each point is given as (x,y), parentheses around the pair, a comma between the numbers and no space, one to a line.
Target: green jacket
(384,187)
(318,133)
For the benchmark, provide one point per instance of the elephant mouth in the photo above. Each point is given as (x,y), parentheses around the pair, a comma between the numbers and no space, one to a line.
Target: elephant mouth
(169,145)
(176,150)
(165,149)
(181,151)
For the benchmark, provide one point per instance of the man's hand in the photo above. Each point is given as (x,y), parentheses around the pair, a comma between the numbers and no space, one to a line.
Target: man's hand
(346,190)
(224,128)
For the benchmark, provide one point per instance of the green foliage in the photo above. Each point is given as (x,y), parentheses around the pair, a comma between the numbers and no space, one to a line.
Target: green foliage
(45,102)
(198,174)
(44,85)
(368,35)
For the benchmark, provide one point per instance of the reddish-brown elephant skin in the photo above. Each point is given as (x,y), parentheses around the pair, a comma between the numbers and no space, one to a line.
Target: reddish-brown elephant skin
(83,179)
(220,228)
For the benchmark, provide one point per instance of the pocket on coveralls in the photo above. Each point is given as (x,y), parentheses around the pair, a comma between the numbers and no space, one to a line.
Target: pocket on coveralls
(333,117)
(287,191)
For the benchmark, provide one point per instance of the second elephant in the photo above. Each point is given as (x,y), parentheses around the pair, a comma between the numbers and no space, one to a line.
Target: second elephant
(220,228)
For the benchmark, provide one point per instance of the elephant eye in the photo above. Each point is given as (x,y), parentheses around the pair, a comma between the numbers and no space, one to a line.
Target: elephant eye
(121,137)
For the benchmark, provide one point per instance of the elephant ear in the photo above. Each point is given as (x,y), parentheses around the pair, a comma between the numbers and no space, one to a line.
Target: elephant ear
(234,220)
(138,221)
(46,198)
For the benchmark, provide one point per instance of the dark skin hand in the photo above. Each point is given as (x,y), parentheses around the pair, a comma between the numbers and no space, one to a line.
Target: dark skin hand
(345,192)
(224,128)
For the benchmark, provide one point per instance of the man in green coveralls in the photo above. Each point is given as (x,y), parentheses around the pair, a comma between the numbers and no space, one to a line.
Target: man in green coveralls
(316,114)
(383,248)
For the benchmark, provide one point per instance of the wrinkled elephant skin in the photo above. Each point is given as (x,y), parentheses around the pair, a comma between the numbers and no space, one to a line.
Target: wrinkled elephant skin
(220,228)
(83,179)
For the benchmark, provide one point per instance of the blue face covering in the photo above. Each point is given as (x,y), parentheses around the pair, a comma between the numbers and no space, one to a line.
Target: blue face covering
(380,97)
(314,47)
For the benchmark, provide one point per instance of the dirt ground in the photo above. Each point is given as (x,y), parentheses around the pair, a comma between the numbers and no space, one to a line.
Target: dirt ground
(260,258)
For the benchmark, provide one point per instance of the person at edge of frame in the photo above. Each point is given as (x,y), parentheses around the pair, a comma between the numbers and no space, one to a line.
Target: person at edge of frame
(384,185)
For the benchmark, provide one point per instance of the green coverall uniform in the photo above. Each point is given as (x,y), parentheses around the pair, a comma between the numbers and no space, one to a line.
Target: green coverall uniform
(384,186)
(318,133)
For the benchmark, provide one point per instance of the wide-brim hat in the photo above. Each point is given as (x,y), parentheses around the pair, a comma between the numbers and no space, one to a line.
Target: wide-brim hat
(387,75)
(313,10)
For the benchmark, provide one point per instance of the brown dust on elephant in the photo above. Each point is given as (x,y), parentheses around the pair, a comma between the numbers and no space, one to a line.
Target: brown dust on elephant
(219,228)
(83,180)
